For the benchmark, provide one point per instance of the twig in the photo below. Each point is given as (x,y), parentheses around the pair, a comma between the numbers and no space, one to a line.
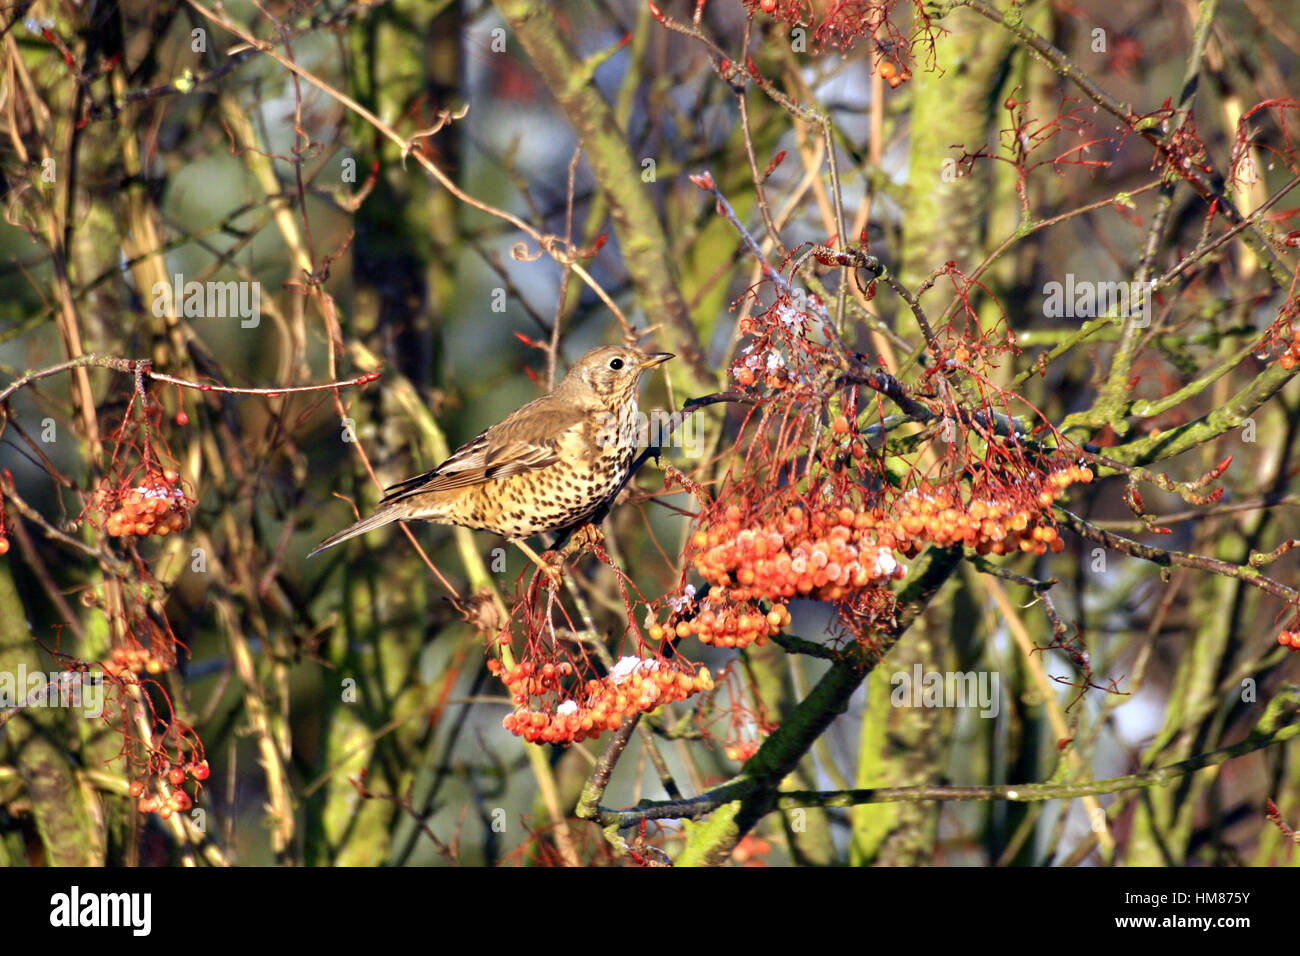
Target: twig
(1167,558)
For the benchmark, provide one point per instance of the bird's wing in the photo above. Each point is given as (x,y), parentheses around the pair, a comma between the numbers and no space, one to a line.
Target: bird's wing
(526,440)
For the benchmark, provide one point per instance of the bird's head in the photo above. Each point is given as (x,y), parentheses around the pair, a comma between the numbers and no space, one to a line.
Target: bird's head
(612,371)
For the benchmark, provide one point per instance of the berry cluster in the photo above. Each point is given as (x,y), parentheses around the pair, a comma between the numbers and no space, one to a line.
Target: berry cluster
(178,801)
(730,624)
(155,506)
(635,685)
(844,550)
(1290,357)
(750,849)
(1282,339)
(1290,639)
(137,660)
(989,524)
(822,554)
(891,74)
(747,374)
(741,750)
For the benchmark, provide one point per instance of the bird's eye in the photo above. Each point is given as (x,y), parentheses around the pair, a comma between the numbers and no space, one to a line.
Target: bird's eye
(616,364)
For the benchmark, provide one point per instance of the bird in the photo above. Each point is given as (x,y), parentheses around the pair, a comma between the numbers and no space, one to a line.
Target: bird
(550,465)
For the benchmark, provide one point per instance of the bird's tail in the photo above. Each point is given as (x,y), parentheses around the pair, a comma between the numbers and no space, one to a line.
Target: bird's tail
(377,520)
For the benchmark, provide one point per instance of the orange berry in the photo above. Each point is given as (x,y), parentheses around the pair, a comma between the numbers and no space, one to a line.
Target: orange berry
(840,426)
(887,70)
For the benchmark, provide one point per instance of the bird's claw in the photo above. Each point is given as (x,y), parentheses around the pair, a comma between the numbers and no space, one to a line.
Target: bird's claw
(553,569)
(585,537)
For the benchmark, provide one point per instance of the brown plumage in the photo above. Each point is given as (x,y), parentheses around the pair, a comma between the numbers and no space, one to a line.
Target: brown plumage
(545,467)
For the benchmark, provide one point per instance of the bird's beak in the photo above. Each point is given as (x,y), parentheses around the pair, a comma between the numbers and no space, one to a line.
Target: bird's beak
(656,358)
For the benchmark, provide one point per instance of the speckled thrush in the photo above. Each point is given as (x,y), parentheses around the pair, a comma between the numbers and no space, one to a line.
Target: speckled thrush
(548,466)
